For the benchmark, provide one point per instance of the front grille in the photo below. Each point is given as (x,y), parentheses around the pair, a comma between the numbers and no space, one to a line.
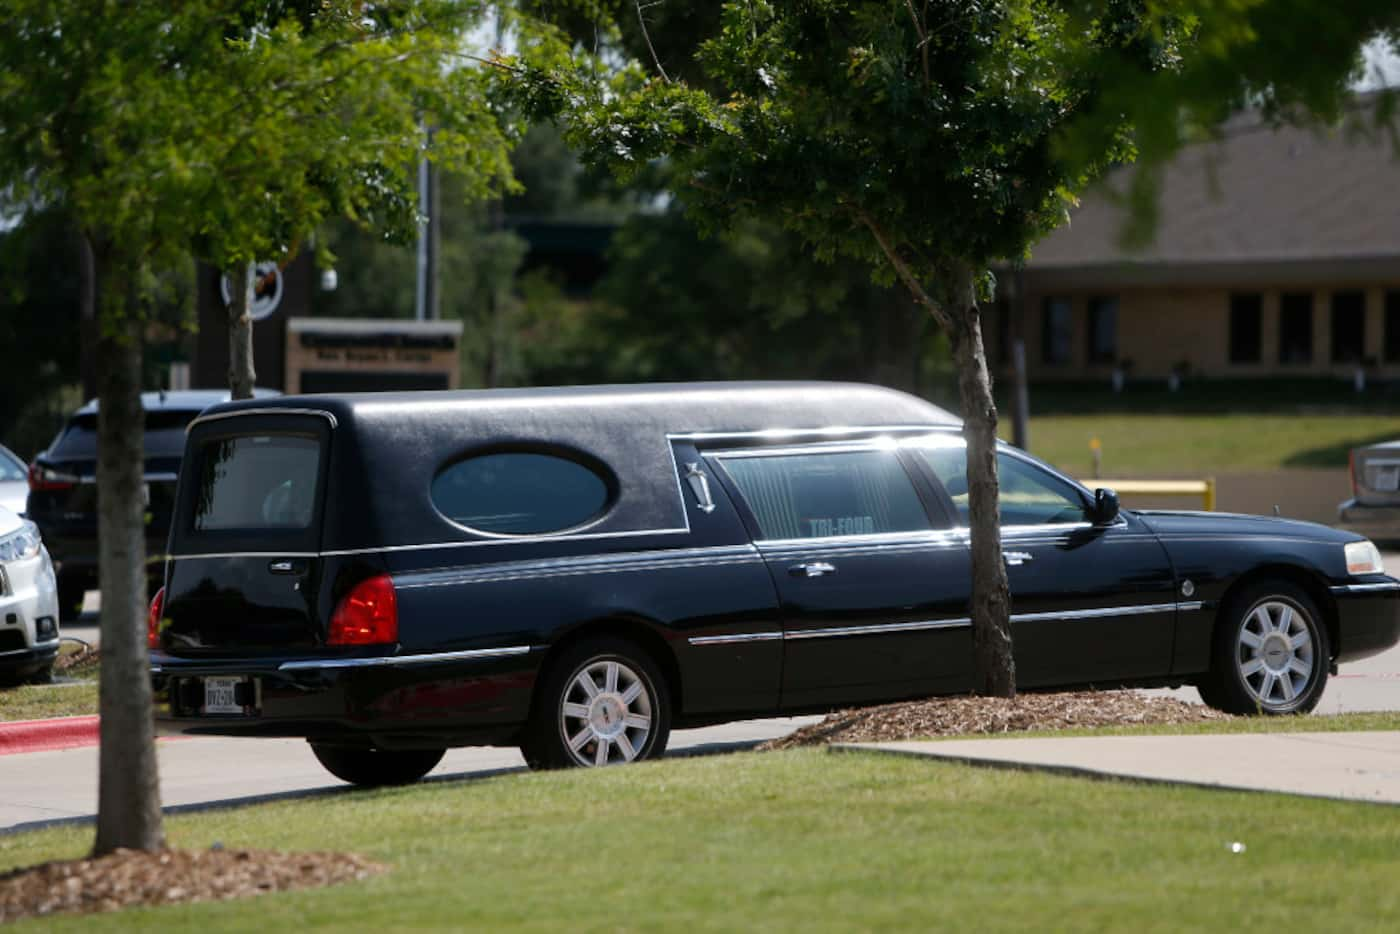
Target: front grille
(11,639)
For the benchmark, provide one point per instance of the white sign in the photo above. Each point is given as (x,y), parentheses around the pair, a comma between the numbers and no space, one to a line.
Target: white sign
(267,290)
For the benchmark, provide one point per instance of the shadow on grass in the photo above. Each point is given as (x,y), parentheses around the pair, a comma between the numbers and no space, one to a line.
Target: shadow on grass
(333,791)
(1335,455)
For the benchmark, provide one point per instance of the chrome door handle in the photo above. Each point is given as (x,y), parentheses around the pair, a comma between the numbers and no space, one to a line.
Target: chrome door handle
(1015,558)
(812,569)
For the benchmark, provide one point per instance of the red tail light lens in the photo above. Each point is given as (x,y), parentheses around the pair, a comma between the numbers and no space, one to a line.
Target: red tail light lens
(43,478)
(367,615)
(153,619)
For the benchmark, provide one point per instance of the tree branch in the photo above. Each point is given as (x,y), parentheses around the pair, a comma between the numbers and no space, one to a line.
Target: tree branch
(906,275)
(650,48)
(923,39)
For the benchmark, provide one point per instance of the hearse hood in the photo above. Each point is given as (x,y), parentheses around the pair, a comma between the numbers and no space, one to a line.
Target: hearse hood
(1187,523)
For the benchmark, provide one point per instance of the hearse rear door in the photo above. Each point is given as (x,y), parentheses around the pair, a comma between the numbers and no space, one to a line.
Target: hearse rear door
(873,590)
(244,574)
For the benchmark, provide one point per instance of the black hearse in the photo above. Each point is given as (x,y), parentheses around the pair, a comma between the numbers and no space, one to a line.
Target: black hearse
(575,571)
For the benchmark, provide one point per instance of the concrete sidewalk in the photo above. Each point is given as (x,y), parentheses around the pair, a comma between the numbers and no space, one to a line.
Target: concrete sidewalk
(1348,766)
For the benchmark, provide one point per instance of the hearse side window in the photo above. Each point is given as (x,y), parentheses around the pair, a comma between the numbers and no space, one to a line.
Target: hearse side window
(823,494)
(262,482)
(1029,495)
(519,493)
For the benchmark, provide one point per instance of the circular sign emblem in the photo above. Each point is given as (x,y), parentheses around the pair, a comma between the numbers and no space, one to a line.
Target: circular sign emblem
(267,290)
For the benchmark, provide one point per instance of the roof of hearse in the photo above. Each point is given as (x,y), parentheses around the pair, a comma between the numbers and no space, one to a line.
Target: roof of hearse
(404,438)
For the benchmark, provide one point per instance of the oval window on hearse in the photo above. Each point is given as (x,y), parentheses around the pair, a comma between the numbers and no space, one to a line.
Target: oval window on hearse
(523,492)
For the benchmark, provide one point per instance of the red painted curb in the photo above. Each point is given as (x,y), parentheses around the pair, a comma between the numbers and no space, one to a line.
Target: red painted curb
(41,735)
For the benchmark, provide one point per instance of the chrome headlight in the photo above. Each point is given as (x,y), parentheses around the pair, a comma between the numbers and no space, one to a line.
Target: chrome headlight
(1363,558)
(20,544)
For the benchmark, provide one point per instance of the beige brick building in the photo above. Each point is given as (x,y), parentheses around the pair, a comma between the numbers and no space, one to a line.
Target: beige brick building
(1277,253)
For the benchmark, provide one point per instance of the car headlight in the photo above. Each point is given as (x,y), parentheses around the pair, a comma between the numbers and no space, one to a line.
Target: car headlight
(20,544)
(1363,558)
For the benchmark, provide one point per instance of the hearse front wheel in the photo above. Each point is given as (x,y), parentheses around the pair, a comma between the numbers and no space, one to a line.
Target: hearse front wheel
(1271,654)
(374,767)
(604,702)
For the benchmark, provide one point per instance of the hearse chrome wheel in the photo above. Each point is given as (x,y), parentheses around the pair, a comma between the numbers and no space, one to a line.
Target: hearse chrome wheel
(1276,657)
(603,701)
(606,714)
(1270,653)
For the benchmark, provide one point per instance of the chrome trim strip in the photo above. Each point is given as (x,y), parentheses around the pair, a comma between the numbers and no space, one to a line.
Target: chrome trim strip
(217,416)
(735,637)
(1097,613)
(574,566)
(919,626)
(1365,588)
(792,434)
(1192,606)
(966,622)
(248,554)
(521,540)
(395,661)
(156,669)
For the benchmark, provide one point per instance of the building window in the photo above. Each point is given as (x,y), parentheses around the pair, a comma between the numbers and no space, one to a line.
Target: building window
(1348,326)
(1103,330)
(1392,327)
(1056,331)
(1246,313)
(1295,327)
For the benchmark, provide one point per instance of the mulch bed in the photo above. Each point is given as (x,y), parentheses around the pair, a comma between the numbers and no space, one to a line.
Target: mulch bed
(134,878)
(958,716)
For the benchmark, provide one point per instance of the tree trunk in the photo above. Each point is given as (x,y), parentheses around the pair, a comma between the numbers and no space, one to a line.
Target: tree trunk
(241,376)
(991,624)
(87,316)
(128,797)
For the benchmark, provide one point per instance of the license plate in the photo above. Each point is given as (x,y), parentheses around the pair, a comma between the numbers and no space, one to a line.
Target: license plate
(219,695)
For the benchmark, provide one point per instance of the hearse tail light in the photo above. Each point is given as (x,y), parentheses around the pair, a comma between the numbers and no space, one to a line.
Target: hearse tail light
(153,619)
(367,615)
(43,479)
(1363,558)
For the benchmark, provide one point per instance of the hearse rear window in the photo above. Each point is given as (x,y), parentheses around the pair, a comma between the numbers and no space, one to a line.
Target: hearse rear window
(520,493)
(819,495)
(263,482)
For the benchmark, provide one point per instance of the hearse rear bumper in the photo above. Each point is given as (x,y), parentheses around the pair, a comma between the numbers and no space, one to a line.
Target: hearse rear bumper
(471,697)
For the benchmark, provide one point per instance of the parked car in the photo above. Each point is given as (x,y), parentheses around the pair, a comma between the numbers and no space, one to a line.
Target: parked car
(576,571)
(13,485)
(28,602)
(1374,507)
(63,486)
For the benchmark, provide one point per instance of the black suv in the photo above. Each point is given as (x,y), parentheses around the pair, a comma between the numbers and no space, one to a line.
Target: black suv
(63,487)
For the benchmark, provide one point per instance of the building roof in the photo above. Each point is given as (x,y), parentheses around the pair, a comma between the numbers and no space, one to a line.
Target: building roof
(1261,201)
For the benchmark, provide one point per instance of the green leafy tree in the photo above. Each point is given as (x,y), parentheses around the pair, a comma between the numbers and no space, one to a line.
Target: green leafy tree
(223,126)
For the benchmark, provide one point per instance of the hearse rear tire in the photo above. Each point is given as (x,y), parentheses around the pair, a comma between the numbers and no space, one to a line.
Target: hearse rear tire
(1270,654)
(603,702)
(371,768)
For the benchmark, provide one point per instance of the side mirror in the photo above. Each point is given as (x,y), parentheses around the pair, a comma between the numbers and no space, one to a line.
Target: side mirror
(1105,506)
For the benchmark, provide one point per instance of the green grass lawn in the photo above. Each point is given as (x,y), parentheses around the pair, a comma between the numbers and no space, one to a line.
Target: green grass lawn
(798,840)
(1202,444)
(76,696)
(40,701)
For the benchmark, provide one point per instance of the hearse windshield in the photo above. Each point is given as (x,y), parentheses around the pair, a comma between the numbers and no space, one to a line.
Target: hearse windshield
(256,482)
